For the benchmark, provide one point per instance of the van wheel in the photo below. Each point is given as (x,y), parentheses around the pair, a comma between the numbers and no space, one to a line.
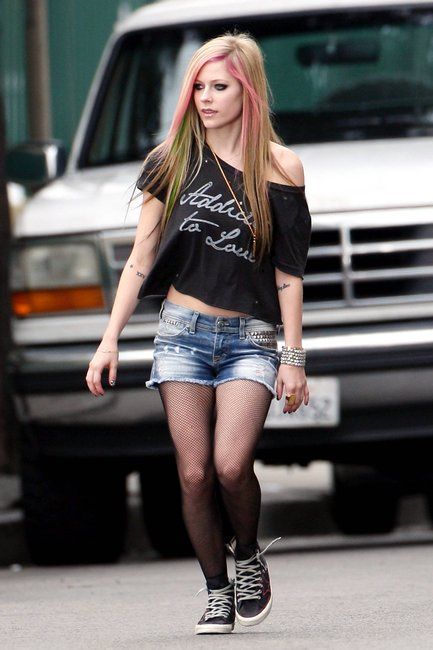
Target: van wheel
(428,494)
(162,508)
(74,511)
(364,501)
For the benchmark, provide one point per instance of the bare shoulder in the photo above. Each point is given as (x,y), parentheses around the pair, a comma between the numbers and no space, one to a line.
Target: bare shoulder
(290,162)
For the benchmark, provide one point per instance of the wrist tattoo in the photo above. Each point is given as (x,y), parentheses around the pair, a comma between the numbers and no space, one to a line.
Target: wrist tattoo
(141,275)
(283,286)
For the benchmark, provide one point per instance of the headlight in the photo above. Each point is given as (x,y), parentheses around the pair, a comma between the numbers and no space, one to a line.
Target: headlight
(55,277)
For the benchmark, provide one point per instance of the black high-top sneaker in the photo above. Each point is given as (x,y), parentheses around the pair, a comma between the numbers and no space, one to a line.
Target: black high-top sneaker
(219,616)
(253,594)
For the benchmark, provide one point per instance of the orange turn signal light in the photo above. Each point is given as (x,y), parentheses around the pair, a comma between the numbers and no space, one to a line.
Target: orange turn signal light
(37,301)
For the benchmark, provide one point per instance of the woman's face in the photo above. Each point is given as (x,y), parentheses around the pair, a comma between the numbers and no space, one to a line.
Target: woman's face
(217,95)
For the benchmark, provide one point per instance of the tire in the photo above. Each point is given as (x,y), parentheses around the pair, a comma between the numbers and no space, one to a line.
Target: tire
(74,511)
(427,489)
(429,503)
(162,509)
(365,500)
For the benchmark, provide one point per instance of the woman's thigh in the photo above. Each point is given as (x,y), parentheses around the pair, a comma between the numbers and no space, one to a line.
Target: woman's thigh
(242,406)
(189,409)
(185,381)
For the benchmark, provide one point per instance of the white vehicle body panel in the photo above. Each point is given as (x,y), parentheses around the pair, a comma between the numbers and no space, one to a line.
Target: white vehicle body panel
(339,176)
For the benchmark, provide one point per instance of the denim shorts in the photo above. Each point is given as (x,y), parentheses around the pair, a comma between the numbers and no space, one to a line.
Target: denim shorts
(195,347)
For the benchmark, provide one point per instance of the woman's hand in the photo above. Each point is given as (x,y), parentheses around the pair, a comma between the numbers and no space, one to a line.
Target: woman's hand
(292,379)
(106,356)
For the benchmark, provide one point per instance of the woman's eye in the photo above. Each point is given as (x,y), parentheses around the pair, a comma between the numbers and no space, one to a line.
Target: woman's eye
(198,86)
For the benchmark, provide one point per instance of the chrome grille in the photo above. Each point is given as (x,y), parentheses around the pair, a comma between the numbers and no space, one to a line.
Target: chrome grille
(355,260)
(381,259)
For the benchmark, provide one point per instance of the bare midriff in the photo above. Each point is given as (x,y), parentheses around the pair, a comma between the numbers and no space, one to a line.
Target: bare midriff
(184,300)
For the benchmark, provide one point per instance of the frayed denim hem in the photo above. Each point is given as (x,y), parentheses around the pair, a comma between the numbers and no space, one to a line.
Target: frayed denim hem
(153,383)
(259,381)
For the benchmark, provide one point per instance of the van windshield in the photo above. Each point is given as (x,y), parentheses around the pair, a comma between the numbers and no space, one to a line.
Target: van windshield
(352,75)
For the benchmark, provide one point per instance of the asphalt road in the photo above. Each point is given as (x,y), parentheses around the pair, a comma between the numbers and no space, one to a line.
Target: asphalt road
(330,591)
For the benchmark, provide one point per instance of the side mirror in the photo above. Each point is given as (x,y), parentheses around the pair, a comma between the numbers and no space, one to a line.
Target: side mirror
(36,163)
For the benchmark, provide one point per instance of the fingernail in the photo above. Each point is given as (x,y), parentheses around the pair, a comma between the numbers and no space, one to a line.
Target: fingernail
(112,382)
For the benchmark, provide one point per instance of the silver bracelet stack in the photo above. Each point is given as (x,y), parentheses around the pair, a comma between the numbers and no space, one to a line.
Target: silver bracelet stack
(293,356)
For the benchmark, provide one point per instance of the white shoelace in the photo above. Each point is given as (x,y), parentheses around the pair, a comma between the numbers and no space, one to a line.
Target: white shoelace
(219,601)
(248,575)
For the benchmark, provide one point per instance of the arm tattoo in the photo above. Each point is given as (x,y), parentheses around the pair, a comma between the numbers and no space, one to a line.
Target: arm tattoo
(283,286)
(141,275)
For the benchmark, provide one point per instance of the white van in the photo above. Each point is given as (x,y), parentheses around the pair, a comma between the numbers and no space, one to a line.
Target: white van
(352,84)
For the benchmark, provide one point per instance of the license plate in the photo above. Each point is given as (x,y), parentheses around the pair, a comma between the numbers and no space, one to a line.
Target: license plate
(323,408)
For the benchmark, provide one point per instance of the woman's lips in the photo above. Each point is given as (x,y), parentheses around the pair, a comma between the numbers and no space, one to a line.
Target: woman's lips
(208,111)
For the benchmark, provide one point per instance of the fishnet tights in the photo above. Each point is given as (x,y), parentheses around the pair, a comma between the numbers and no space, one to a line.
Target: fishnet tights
(217,454)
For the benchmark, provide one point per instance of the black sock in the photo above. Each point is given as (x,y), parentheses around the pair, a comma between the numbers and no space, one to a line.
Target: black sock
(245,551)
(218,582)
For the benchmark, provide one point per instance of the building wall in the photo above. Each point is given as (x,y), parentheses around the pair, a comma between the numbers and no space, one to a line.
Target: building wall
(78,30)
(12,69)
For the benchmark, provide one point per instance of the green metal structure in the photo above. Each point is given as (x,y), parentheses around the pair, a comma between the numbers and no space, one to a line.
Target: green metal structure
(78,30)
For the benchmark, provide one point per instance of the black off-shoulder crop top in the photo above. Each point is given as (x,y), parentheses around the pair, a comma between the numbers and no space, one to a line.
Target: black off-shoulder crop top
(206,250)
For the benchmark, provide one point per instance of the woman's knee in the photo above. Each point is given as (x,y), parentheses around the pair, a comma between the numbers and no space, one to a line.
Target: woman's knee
(197,480)
(233,474)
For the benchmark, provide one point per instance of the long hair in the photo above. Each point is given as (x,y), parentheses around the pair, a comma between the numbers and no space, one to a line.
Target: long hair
(182,149)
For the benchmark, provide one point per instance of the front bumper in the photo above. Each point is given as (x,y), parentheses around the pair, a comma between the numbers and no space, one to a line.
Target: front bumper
(385,375)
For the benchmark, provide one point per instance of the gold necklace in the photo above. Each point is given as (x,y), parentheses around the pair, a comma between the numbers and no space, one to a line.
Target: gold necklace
(253,232)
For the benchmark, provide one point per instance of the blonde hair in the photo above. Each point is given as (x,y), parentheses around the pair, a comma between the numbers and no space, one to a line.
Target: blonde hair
(173,157)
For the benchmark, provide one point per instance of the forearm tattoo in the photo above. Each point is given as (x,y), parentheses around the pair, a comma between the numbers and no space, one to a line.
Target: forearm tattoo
(141,275)
(283,286)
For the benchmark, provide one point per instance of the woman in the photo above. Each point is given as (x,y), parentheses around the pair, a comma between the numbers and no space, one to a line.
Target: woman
(223,234)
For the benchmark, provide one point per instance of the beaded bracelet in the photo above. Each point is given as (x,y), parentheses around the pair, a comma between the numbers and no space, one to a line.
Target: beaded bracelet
(293,356)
